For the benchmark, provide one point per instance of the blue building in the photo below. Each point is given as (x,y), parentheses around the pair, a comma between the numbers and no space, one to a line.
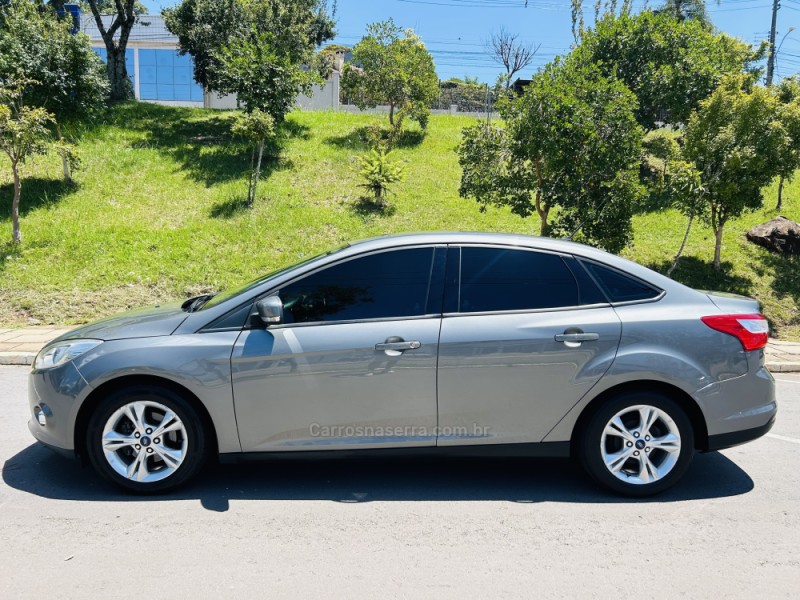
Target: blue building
(158,72)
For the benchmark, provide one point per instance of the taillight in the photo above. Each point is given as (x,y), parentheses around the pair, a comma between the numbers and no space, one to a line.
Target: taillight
(751,330)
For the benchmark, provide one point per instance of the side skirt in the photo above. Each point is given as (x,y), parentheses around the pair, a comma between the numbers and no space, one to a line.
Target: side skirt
(540,450)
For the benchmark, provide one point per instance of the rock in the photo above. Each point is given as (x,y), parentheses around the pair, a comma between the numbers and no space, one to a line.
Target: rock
(779,235)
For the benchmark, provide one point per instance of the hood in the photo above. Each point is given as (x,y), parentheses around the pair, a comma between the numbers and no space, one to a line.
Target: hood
(162,319)
(733,303)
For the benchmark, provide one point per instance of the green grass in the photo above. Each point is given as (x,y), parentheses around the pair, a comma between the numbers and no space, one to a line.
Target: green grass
(157,213)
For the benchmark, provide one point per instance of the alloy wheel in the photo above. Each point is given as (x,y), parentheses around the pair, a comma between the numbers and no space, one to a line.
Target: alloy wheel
(144,441)
(640,444)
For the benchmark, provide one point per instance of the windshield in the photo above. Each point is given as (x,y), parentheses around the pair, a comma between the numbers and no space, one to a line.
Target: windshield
(221,297)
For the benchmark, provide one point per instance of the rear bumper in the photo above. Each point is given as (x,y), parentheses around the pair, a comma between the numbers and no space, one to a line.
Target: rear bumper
(734,438)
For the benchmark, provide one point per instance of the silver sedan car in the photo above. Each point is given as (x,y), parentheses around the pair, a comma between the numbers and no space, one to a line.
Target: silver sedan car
(434,344)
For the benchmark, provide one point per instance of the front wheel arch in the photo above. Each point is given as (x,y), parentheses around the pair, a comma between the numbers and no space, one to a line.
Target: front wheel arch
(94,399)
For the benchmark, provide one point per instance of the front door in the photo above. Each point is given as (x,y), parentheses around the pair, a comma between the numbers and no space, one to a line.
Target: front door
(352,366)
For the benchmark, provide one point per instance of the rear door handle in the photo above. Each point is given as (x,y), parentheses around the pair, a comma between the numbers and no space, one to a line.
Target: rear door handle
(398,346)
(577,337)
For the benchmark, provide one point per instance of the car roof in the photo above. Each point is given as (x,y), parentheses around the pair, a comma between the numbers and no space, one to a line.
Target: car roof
(674,289)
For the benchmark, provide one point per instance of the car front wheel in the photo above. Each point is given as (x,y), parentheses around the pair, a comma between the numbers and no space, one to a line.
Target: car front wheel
(146,439)
(637,444)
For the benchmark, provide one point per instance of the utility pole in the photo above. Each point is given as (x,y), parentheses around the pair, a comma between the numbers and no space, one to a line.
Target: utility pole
(771,60)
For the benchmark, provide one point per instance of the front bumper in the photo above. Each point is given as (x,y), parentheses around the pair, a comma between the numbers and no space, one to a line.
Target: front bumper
(33,426)
(59,392)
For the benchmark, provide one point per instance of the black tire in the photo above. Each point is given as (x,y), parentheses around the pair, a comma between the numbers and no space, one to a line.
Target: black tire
(590,445)
(191,440)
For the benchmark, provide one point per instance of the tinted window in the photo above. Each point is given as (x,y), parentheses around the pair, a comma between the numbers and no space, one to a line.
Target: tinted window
(619,287)
(389,284)
(495,279)
(222,296)
(588,292)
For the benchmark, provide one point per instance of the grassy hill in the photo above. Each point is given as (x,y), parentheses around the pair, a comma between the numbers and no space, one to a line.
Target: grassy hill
(157,214)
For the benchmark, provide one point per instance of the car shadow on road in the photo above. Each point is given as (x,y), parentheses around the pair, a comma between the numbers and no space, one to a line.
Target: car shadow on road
(36,470)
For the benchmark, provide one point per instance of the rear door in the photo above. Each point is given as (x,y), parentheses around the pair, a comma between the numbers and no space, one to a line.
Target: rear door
(524,336)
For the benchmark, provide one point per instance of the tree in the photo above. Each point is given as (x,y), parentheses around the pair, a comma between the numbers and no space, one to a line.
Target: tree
(107,7)
(686,10)
(392,66)
(65,76)
(571,143)
(670,65)
(507,50)
(602,9)
(492,175)
(205,27)
(115,37)
(259,50)
(255,126)
(23,133)
(687,194)
(788,92)
(735,140)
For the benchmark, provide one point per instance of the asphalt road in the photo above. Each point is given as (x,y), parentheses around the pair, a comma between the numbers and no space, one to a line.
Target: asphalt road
(731,529)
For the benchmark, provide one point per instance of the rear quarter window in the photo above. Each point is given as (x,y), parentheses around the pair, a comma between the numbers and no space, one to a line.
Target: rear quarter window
(618,286)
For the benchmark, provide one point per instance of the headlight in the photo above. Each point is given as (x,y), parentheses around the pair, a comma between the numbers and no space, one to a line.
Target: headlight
(62,352)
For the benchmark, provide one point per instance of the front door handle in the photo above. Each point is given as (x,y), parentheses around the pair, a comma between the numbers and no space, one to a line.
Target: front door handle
(577,337)
(398,346)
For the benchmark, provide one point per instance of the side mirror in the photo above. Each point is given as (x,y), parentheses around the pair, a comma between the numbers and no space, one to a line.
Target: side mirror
(270,310)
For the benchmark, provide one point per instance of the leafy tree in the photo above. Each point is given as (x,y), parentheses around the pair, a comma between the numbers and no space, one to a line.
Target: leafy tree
(257,49)
(686,10)
(109,6)
(602,9)
(392,66)
(788,92)
(65,76)
(687,194)
(260,74)
(670,65)
(491,174)
(205,27)
(256,126)
(735,140)
(510,52)
(572,144)
(115,37)
(23,133)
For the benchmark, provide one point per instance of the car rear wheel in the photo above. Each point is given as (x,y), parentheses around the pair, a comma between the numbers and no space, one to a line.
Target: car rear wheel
(146,439)
(637,444)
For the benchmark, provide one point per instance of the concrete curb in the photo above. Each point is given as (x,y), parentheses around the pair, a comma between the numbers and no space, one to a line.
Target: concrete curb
(17,358)
(783,367)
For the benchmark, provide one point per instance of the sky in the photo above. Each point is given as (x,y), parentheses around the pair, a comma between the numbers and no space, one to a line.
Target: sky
(455,31)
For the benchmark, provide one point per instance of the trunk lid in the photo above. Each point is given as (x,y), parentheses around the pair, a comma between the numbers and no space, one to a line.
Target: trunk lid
(733,303)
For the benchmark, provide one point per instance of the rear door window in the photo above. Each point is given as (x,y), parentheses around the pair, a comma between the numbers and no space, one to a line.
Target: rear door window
(502,279)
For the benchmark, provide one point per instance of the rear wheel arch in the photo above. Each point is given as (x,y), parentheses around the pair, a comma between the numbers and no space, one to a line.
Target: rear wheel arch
(103,391)
(684,400)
